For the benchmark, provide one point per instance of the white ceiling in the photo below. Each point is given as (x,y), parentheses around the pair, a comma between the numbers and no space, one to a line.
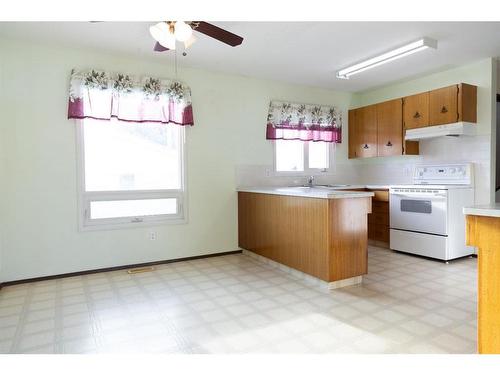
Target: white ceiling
(298,52)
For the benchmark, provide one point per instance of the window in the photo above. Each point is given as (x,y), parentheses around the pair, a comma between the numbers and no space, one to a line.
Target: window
(130,172)
(301,156)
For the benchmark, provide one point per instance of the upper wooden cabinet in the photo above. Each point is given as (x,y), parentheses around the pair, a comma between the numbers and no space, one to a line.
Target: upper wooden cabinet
(467,103)
(443,104)
(366,127)
(353,132)
(390,128)
(452,104)
(416,111)
(379,129)
(363,132)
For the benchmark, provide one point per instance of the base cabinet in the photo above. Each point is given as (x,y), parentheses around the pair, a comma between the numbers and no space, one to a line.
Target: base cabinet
(378,220)
(325,238)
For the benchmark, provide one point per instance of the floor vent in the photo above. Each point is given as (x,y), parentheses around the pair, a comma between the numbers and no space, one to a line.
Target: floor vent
(140,270)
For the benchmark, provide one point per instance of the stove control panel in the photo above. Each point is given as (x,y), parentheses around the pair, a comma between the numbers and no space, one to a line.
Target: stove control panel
(450,174)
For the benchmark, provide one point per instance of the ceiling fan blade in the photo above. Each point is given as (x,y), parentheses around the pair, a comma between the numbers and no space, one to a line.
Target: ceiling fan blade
(159,48)
(217,33)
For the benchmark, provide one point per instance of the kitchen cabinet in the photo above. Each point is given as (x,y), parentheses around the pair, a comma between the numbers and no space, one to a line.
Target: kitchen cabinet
(366,127)
(352,133)
(452,104)
(378,220)
(416,111)
(363,132)
(443,105)
(379,129)
(390,128)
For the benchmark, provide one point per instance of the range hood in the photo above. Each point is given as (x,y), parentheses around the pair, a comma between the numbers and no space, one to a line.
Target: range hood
(452,130)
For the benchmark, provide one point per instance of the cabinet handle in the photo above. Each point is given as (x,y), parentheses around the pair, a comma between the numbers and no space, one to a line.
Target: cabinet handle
(389,144)
(366,146)
(416,115)
(444,110)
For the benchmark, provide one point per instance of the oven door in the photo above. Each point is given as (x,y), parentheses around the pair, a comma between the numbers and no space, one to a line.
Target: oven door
(419,210)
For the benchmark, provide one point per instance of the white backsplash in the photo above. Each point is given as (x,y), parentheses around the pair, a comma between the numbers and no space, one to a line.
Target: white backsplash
(391,170)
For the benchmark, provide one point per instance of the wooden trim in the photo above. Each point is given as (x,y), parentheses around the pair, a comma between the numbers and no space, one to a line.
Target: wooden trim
(467,103)
(411,148)
(381,195)
(116,268)
(483,232)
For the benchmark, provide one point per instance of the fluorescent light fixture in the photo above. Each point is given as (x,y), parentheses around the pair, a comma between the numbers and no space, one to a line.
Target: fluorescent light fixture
(397,53)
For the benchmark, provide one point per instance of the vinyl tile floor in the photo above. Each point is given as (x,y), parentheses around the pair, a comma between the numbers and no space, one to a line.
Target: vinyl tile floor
(235,304)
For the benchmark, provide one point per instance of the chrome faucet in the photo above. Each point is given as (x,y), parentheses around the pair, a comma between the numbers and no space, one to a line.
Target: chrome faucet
(310,182)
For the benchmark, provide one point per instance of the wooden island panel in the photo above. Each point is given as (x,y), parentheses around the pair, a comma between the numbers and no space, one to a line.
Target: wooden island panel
(289,230)
(325,238)
(348,239)
(484,233)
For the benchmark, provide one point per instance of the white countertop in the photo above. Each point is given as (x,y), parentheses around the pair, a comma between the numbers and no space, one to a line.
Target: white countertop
(492,210)
(315,192)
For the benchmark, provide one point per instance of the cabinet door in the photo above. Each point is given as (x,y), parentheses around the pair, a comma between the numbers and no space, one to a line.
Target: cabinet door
(443,105)
(416,111)
(353,139)
(390,128)
(366,127)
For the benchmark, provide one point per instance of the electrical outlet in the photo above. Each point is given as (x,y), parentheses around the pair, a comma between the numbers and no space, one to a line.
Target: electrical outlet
(152,235)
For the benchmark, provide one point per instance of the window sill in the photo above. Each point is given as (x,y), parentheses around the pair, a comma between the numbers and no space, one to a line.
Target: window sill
(142,224)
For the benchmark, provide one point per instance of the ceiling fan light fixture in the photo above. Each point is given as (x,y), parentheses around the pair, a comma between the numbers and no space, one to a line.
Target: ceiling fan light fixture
(188,43)
(162,33)
(408,49)
(182,31)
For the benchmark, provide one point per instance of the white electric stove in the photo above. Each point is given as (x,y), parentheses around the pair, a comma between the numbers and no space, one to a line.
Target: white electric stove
(426,217)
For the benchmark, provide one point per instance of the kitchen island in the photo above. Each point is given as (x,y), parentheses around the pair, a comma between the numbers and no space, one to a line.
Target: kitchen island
(322,232)
(483,231)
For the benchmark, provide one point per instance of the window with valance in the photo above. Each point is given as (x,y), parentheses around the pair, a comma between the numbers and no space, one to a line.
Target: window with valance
(130,138)
(303,135)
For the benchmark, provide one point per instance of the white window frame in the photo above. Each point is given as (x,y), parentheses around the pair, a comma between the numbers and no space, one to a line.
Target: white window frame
(85,197)
(307,171)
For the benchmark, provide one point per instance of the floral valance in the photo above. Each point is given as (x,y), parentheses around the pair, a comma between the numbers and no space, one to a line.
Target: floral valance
(101,95)
(304,122)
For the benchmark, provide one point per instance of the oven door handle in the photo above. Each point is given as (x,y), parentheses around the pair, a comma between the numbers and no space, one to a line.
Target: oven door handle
(419,196)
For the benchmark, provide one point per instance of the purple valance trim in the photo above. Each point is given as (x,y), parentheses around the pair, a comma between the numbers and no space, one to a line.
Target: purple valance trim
(313,133)
(103,96)
(75,111)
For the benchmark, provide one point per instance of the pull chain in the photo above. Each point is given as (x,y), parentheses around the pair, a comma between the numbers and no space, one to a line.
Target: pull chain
(175,63)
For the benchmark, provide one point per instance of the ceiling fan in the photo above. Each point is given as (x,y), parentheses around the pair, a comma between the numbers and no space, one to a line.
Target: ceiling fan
(167,33)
